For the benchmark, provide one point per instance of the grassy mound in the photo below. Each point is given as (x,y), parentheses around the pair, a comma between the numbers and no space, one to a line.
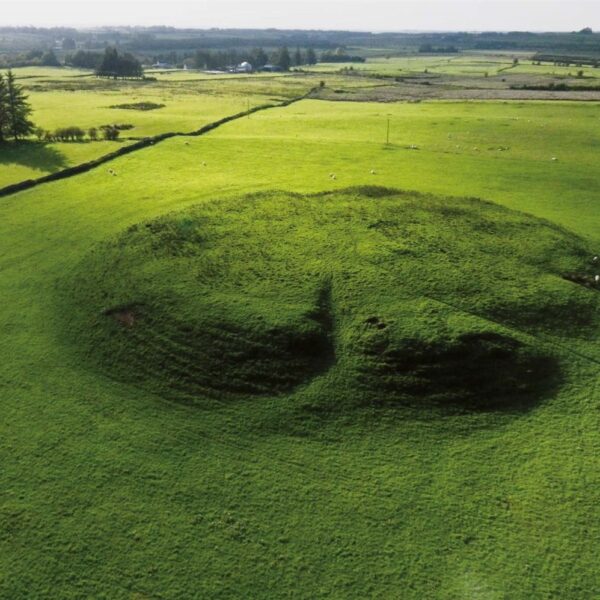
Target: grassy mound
(392,298)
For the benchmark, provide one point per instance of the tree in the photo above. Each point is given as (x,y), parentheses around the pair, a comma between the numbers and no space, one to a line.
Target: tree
(115,65)
(68,44)
(85,60)
(49,59)
(283,59)
(19,124)
(110,133)
(259,58)
(4,114)
(298,61)
(311,57)
(93,133)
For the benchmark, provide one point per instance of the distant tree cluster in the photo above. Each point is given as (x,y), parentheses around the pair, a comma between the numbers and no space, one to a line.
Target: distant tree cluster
(14,110)
(257,57)
(49,59)
(83,59)
(431,49)
(31,58)
(72,133)
(340,56)
(117,65)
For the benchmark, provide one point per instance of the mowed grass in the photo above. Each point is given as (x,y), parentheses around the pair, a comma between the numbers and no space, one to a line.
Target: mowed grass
(110,489)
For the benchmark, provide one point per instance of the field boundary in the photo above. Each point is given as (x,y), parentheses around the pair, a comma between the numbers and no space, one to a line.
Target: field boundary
(140,145)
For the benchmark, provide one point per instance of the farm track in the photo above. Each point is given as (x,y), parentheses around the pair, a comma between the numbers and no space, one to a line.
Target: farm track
(145,143)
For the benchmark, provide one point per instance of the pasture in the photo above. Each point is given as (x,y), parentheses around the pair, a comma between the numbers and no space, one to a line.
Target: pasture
(66,97)
(474,64)
(166,433)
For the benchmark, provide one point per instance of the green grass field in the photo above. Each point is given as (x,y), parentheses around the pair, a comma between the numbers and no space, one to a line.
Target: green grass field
(66,97)
(473,64)
(323,389)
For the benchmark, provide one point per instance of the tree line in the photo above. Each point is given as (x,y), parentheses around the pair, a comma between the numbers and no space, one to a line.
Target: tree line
(257,57)
(112,63)
(72,133)
(14,110)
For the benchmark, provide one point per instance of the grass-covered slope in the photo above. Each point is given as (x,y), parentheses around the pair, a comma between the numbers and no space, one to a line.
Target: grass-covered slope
(392,298)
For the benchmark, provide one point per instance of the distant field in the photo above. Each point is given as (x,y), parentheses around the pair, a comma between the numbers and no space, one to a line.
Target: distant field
(50,73)
(471,64)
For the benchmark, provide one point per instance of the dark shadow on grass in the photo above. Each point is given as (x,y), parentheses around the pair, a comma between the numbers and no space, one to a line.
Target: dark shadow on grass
(35,155)
(477,372)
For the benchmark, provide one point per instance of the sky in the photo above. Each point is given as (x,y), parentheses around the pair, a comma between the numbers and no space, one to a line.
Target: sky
(358,15)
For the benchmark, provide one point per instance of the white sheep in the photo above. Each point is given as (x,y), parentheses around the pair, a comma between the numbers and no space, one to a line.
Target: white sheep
(554,159)
(372,171)
(597,279)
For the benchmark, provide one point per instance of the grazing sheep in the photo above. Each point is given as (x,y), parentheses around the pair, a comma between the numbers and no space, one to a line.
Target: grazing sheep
(595,259)
(554,158)
(333,176)
(372,171)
